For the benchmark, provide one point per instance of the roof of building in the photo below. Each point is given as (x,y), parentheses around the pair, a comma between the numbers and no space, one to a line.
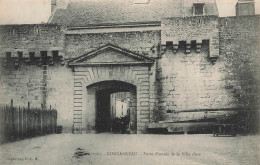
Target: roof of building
(82,13)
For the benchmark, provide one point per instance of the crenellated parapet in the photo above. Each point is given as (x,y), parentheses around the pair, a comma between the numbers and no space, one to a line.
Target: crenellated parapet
(16,57)
(190,32)
(186,46)
(35,44)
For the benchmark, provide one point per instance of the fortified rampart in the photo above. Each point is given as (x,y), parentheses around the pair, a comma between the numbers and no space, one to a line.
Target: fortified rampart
(201,64)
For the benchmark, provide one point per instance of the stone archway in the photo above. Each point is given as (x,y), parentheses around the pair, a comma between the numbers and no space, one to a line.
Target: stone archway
(110,63)
(98,97)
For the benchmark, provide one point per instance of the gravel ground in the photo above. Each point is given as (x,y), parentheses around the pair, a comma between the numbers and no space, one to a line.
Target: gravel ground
(109,149)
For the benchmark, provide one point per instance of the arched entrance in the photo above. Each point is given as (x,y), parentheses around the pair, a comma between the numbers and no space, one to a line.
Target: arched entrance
(105,107)
(101,72)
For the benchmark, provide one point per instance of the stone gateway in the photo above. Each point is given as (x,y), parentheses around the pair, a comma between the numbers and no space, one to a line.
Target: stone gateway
(171,65)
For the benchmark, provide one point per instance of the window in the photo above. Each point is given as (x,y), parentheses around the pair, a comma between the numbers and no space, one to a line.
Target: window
(198,8)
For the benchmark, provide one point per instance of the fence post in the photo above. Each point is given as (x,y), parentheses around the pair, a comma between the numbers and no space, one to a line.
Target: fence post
(9,120)
(46,121)
(52,123)
(15,123)
(12,119)
(41,121)
(49,121)
(55,119)
(36,122)
(26,122)
(22,124)
(29,106)
(18,122)
(2,124)
(33,121)
(6,124)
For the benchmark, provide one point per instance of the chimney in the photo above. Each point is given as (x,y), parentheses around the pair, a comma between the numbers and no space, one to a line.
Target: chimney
(245,7)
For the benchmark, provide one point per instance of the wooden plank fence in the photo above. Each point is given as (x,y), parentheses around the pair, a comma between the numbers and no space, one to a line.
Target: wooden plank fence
(18,123)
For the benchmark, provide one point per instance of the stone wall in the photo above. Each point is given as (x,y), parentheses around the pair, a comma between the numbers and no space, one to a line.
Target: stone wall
(42,83)
(30,38)
(192,29)
(145,42)
(191,81)
(60,94)
(239,47)
(41,86)
(211,63)
(188,77)
(23,86)
(86,76)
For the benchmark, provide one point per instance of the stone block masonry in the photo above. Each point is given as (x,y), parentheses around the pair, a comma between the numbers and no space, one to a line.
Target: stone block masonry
(239,48)
(202,62)
(192,29)
(32,69)
(191,81)
(31,38)
(145,42)
(86,76)
(41,86)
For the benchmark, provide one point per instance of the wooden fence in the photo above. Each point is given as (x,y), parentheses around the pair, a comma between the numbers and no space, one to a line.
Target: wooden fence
(20,123)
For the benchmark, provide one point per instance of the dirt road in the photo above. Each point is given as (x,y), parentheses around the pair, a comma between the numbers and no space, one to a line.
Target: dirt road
(109,149)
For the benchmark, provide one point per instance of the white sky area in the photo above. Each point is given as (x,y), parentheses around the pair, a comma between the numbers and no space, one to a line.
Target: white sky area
(38,11)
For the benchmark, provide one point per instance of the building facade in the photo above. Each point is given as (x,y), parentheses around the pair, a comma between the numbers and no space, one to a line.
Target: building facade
(177,59)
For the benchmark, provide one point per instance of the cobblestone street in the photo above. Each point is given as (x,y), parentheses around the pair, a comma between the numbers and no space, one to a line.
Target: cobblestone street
(133,149)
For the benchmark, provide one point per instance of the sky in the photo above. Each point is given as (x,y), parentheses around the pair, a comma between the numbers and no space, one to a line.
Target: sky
(38,11)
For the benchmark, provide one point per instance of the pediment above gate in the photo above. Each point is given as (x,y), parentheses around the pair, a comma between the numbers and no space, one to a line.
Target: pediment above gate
(110,55)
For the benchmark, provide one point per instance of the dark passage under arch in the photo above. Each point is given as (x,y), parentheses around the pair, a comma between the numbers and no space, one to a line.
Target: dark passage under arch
(104,116)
